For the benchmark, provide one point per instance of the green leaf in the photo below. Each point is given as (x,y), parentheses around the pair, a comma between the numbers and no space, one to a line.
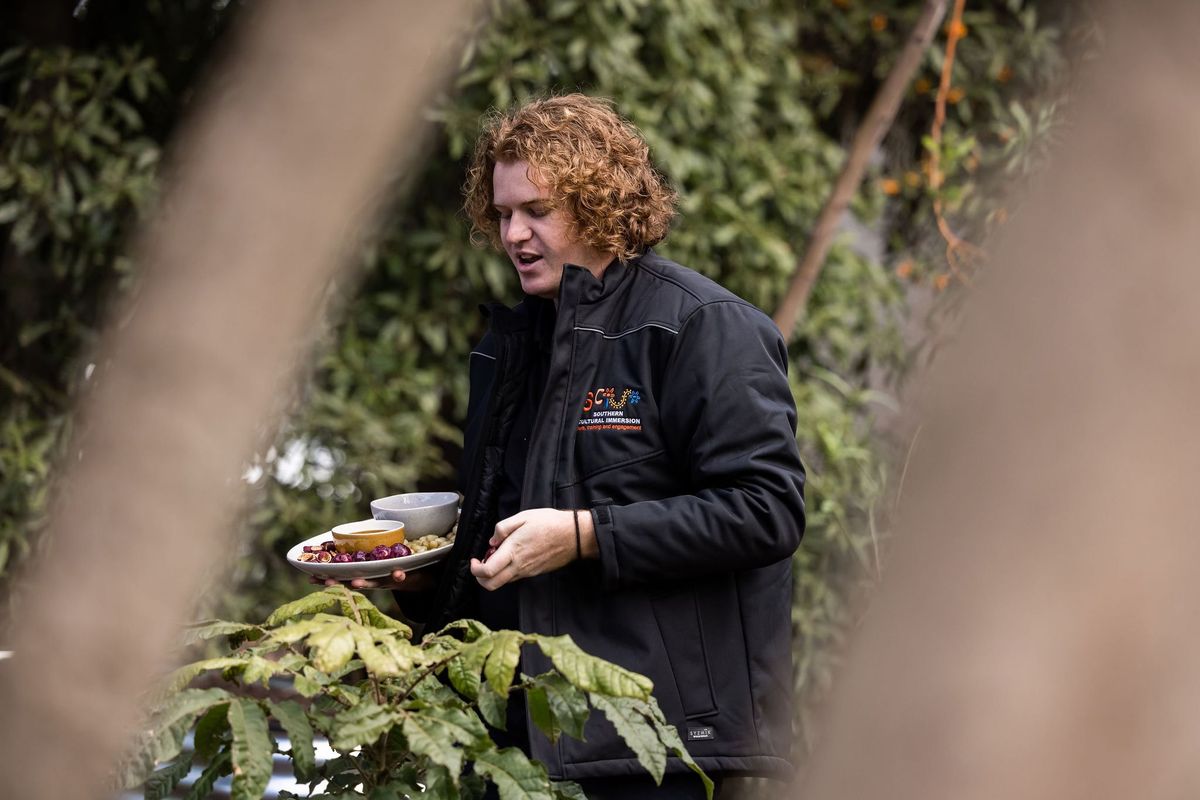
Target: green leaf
(187,705)
(464,669)
(305,685)
(539,712)
(363,724)
(590,673)
(514,774)
(561,706)
(292,632)
(439,785)
(472,629)
(259,670)
(670,737)
(375,660)
(569,790)
(210,728)
(210,629)
(493,706)
(9,211)
(636,731)
(371,616)
(221,766)
(332,646)
(387,793)
(460,725)
(427,736)
(155,748)
(300,733)
(404,653)
(251,750)
(502,660)
(31,333)
(184,675)
(309,604)
(162,783)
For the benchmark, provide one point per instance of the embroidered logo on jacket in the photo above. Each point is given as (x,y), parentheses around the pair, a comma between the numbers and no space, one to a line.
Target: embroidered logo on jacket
(606,409)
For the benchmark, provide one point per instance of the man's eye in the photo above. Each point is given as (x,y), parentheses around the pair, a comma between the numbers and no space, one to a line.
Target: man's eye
(503,214)
(537,212)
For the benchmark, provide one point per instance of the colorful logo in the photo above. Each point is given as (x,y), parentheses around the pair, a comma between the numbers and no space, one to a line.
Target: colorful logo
(605,409)
(606,397)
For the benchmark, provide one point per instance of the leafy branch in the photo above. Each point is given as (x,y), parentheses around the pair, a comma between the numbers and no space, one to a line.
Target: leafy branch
(404,718)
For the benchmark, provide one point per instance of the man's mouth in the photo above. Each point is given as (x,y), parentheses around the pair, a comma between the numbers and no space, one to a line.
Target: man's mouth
(525,259)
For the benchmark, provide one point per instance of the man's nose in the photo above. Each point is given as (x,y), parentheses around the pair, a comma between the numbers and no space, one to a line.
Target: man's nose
(517,231)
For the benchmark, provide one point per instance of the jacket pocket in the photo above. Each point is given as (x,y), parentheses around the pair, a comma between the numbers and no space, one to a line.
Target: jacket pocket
(679,624)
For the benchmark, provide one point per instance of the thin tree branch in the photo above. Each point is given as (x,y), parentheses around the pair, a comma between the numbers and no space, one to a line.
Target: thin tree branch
(875,126)
(956,246)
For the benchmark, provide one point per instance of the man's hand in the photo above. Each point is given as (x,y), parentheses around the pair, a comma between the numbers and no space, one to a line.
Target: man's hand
(399,580)
(533,542)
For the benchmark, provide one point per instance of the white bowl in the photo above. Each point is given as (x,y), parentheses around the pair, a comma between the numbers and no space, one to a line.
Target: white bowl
(423,513)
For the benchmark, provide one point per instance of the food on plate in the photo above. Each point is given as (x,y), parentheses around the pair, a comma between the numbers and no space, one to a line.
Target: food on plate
(336,551)
(431,542)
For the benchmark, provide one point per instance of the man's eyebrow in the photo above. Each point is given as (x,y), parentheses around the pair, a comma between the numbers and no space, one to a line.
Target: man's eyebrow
(537,200)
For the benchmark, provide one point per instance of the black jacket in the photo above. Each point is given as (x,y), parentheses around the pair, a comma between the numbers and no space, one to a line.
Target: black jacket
(668,413)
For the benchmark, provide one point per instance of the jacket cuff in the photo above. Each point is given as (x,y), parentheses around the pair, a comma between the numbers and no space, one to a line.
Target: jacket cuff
(602,524)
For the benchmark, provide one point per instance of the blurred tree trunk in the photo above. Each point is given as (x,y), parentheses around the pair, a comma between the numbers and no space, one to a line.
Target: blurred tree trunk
(270,190)
(1036,637)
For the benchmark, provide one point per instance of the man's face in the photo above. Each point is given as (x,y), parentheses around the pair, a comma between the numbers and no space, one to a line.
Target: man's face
(538,240)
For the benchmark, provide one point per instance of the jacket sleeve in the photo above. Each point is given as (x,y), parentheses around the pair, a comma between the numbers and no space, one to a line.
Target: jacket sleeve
(732,428)
(417,606)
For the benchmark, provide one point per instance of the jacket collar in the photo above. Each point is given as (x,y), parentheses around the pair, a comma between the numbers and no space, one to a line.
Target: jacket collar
(581,287)
(578,287)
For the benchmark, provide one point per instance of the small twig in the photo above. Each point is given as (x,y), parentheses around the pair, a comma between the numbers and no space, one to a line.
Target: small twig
(907,458)
(353,605)
(425,673)
(874,541)
(368,784)
(954,243)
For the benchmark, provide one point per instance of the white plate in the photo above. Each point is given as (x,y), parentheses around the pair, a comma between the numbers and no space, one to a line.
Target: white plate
(361,569)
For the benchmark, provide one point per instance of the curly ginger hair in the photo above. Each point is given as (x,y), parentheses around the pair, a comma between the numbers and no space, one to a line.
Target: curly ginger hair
(595,164)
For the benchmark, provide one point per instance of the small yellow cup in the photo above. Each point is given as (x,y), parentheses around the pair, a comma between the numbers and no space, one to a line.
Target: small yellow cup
(367,534)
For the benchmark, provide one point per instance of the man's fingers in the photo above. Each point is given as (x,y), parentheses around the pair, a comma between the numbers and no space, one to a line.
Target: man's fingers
(505,527)
(496,571)
(397,577)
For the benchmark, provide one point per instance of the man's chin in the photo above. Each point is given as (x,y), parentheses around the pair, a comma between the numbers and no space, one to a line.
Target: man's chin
(539,288)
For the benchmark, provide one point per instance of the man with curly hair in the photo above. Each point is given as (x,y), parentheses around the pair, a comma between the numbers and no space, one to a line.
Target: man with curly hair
(631,476)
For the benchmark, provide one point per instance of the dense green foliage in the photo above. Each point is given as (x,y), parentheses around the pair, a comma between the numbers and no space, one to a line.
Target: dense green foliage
(746,105)
(400,715)
(75,171)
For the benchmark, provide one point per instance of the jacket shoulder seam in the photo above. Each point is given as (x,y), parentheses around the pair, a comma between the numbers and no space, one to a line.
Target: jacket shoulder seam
(658,273)
(606,335)
(732,300)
